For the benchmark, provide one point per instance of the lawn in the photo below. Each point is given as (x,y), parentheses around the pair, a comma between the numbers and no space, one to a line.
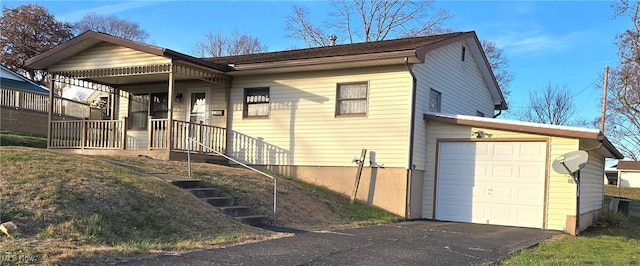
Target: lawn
(79,210)
(8,138)
(602,244)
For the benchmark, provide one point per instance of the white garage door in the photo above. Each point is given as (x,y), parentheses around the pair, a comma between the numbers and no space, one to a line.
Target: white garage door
(499,183)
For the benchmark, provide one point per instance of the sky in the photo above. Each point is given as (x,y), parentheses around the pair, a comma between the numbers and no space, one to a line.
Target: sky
(546,42)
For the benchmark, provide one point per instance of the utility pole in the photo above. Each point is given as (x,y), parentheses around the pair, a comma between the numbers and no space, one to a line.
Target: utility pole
(604,99)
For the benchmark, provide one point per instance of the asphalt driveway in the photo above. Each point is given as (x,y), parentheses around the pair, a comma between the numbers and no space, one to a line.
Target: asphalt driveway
(406,243)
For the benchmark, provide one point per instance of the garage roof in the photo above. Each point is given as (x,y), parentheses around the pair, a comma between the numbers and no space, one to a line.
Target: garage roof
(526,127)
(629,165)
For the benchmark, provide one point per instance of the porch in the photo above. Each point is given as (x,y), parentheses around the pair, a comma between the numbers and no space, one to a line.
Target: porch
(112,135)
(152,98)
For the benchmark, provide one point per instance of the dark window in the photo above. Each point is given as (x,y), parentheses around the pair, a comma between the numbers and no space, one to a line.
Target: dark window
(434,100)
(351,99)
(256,102)
(143,105)
(464,50)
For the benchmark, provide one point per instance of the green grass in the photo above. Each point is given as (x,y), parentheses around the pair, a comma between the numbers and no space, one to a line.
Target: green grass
(605,243)
(8,138)
(73,209)
(300,205)
(356,214)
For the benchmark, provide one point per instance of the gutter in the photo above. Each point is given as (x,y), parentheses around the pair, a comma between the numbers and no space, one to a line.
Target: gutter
(605,142)
(411,137)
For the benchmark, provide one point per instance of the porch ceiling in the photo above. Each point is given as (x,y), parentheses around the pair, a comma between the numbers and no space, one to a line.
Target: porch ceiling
(118,81)
(160,73)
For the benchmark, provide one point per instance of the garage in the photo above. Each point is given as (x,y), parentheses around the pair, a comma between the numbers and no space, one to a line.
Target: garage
(500,183)
(492,171)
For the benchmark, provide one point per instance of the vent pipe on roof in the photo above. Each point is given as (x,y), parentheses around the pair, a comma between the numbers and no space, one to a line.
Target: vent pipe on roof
(332,39)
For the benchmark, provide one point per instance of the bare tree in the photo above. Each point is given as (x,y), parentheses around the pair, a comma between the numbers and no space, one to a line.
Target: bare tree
(27,31)
(217,44)
(499,64)
(552,105)
(111,25)
(368,20)
(624,104)
(377,20)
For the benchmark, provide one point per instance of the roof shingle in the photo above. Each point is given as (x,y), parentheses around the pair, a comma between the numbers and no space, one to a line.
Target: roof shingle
(337,50)
(628,165)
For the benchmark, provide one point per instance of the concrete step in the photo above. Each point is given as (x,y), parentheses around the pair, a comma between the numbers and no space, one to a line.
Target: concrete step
(219,201)
(204,192)
(235,211)
(252,219)
(189,184)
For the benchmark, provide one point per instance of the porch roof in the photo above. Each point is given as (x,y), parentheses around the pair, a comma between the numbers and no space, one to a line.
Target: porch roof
(91,38)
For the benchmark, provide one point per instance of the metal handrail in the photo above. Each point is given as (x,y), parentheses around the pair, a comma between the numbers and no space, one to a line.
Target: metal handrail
(275,181)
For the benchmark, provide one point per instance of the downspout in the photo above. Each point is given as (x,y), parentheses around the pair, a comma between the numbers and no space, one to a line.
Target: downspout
(411,137)
(498,114)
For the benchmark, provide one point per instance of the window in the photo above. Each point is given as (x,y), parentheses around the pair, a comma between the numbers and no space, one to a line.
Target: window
(464,50)
(159,105)
(143,105)
(256,102)
(138,111)
(434,100)
(480,114)
(352,99)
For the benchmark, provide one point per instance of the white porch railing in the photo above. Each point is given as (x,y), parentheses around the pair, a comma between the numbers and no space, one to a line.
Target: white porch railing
(40,103)
(87,134)
(214,138)
(112,134)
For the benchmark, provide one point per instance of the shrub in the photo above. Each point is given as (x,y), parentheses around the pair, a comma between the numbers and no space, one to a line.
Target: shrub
(612,219)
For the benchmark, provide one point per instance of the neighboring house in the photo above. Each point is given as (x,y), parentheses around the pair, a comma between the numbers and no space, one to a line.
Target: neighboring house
(12,80)
(611,175)
(23,104)
(628,174)
(423,108)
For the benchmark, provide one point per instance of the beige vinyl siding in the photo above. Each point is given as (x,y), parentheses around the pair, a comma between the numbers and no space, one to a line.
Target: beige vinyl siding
(460,83)
(591,187)
(137,140)
(123,105)
(441,131)
(106,55)
(302,119)
(561,198)
(629,178)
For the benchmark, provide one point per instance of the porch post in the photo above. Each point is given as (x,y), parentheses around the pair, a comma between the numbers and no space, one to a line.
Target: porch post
(50,118)
(227,117)
(170,106)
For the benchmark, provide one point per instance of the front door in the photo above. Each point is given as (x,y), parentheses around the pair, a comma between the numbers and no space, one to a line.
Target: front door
(198,107)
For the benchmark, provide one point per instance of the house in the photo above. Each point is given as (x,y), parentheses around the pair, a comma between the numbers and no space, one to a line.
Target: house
(628,174)
(12,80)
(424,108)
(611,175)
(24,105)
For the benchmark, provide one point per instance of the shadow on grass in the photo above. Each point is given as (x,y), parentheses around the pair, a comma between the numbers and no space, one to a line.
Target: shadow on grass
(630,229)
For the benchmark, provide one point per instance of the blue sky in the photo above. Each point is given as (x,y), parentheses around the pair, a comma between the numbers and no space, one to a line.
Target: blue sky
(562,43)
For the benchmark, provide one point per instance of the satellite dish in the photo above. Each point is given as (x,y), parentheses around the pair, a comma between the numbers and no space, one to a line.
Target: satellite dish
(571,162)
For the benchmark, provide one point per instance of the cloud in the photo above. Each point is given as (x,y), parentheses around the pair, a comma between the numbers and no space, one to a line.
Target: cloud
(538,41)
(106,9)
